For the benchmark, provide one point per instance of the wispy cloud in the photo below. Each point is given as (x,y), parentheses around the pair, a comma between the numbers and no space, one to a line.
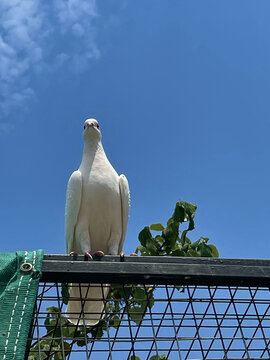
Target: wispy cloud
(74,20)
(37,35)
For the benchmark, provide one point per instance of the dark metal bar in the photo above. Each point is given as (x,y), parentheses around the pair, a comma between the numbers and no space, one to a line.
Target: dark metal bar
(157,270)
(165,259)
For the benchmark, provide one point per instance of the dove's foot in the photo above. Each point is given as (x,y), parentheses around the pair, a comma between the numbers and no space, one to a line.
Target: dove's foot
(97,255)
(87,256)
(74,255)
(122,256)
(133,254)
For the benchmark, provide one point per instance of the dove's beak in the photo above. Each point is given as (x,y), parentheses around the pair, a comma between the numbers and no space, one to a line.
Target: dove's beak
(89,125)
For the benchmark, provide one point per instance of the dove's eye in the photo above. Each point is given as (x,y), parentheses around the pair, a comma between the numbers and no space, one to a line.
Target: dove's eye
(97,126)
(84,126)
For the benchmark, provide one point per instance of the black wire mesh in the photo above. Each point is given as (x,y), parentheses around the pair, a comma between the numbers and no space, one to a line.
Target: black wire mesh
(154,322)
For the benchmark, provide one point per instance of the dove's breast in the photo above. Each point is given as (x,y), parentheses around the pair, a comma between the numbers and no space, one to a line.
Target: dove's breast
(100,210)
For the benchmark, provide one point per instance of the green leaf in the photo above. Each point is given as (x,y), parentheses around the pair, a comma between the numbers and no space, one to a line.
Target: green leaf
(195,244)
(205,250)
(159,357)
(136,314)
(157,227)
(125,292)
(179,213)
(140,296)
(66,347)
(41,350)
(184,239)
(37,355)
(81,342)
(194,253)
(143,296)
(159,239)
(145,235)
(152,247)
(47,323)
(59,355)
(171,234)
(115,321)
(142,250)
(98,330)
(115,293)
(191,224)
(214,250)
(65,293)
(189,208)
(68,331)
(120,291)
(132,357)
(151,299)
(54,319)
(178,252)
(188,241)
(53,310)
(205,239)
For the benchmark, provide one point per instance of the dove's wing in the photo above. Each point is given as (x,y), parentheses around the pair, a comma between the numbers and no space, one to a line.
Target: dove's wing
(73,203)
(125,198)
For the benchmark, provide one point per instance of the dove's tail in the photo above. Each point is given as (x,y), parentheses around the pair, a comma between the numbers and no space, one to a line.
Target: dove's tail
(86,304)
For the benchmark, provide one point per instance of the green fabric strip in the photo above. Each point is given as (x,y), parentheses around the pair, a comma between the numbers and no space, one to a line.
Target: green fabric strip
(18,292)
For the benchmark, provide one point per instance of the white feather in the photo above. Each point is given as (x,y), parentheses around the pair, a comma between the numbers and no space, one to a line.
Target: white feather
(125,202)
(73,203)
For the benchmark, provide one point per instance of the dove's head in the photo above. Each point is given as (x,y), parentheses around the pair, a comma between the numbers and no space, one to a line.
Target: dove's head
(91,130)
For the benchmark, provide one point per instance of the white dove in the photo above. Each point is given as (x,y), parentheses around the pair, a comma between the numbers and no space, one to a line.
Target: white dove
(97,207)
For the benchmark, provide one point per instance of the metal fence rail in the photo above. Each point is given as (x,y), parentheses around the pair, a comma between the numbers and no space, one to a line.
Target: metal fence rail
(161,308)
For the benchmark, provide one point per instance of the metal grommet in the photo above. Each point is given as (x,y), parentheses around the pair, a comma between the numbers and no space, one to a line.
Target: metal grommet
(26,268)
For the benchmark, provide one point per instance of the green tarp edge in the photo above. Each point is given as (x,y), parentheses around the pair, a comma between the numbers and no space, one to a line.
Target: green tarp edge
(20,273)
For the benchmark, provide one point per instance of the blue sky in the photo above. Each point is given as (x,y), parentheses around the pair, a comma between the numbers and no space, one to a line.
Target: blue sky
(181,91)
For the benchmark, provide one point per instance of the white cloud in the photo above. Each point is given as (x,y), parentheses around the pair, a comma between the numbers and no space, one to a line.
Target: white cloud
(70,11)
(75,19)
(29,33)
